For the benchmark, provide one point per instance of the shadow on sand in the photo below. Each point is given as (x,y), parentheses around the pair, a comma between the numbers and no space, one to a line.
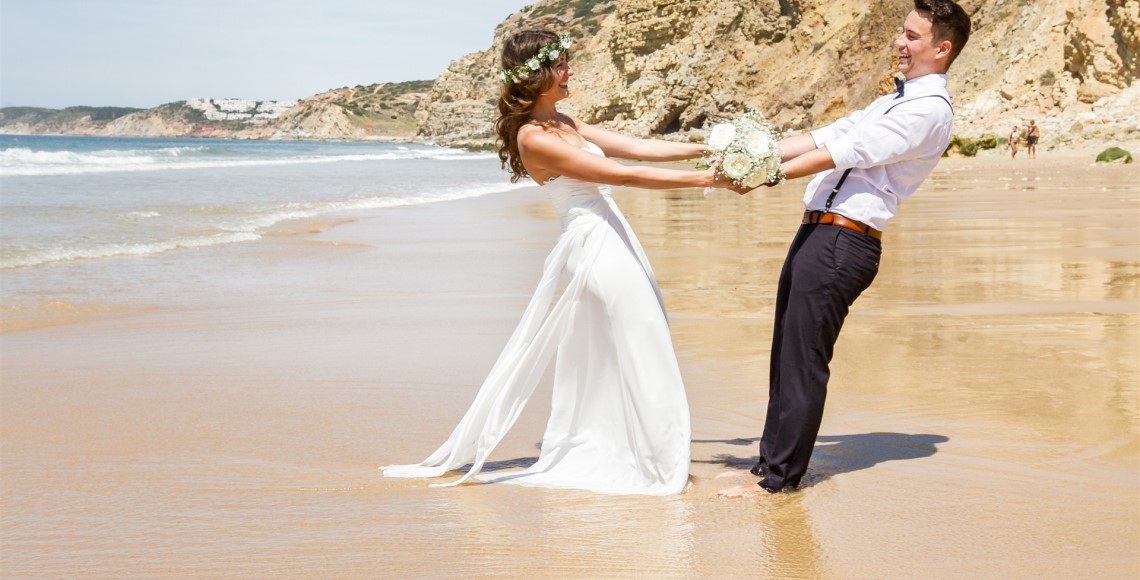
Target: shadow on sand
(835,454)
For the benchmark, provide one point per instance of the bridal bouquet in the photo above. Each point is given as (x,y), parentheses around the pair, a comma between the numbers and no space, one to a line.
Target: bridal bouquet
(746,150)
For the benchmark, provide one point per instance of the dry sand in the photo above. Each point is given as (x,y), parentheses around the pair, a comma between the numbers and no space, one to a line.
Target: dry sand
(983,418)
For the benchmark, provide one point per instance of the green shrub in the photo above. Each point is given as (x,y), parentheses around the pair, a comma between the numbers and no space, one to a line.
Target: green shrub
(1048,78)
(988,141)
(969,147)
(1113,154)
(963,145)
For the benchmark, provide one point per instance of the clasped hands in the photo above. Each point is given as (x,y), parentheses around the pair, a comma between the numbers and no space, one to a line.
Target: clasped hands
(723,181)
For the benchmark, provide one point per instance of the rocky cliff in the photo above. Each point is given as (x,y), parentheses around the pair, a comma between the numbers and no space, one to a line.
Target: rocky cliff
(70,121)
(665,67)
(361,112)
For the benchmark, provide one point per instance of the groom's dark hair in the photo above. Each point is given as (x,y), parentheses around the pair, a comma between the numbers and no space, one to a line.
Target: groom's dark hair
(948,22)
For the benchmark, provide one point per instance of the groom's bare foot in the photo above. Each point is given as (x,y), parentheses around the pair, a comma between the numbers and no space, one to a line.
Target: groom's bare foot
(750,490)
(734,473)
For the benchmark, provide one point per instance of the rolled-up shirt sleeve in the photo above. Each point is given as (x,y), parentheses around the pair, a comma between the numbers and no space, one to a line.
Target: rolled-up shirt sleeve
(829,132)
(908,132)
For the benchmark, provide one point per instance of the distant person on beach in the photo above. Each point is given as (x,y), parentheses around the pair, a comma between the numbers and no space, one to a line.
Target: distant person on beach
(1014,137)
(1032,134)
(619,419)
(866,164)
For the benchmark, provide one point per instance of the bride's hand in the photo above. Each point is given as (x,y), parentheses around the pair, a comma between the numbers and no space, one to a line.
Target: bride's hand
(724,182)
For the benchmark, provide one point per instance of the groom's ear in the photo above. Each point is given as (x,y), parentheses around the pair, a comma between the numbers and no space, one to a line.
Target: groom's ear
(942,52)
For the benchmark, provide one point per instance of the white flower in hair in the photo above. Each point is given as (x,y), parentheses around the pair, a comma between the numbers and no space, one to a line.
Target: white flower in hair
(545,56)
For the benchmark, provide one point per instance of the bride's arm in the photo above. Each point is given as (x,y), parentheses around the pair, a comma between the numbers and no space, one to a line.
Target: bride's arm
(550,153)
(626,147)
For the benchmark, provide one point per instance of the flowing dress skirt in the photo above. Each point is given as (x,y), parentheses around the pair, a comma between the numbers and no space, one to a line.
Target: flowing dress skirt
(619,420)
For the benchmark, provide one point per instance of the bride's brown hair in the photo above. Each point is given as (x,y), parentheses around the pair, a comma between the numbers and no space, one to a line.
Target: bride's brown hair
(516,99)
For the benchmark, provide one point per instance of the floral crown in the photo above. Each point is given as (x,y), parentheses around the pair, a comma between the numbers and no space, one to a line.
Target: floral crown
(546,55)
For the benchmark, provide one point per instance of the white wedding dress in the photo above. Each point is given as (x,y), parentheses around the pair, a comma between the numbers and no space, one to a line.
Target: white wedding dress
(619,419)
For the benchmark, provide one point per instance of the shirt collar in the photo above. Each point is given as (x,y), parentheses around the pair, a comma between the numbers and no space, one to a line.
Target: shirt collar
(930,81)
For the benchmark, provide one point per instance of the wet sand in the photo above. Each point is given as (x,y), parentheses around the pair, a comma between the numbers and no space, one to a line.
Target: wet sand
(983,416)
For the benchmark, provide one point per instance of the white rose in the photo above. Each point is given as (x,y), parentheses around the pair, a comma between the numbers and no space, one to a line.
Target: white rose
(764,173)
(759,178)
(553,55)
(721,136)
(757,143)
(533,64)
(736,165)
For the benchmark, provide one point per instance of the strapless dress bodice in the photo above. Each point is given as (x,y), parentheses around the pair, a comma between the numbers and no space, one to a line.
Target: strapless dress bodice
(573,197)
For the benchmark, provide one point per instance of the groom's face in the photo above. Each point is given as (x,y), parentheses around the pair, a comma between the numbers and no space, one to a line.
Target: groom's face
(918,53)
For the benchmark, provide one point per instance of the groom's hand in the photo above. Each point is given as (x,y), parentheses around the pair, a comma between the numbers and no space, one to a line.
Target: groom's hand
(723,181)
(745,190)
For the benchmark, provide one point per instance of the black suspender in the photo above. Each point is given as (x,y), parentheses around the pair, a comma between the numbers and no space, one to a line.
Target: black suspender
(843,178)
(831,197)
(922,97)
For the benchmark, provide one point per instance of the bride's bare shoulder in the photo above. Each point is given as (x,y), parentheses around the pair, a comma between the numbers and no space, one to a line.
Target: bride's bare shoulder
(529,132)
(536,137)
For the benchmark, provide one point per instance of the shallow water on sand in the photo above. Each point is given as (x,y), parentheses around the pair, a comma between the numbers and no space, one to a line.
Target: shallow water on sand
(982,417)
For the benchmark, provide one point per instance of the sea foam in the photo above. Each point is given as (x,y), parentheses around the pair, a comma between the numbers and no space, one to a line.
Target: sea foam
(20,161)
(241,228)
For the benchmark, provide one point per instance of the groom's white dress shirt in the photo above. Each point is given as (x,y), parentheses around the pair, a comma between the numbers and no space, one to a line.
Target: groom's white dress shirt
(890,153)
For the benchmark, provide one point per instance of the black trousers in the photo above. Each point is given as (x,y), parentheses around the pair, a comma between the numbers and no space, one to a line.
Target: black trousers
(827,268)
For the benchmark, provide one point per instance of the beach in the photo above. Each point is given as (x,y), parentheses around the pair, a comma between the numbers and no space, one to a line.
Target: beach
(227,418)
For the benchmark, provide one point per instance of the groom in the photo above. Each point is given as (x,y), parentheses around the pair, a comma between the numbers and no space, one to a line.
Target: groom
(867,163)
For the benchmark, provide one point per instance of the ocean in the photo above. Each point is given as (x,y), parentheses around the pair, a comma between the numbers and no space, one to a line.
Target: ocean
(101,208)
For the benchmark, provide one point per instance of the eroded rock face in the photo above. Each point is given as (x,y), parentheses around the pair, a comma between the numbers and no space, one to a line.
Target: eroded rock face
(1093,56)
(460,108)
(665,67)
(1123,16)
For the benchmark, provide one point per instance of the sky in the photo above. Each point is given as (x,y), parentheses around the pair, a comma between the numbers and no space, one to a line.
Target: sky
(143,53)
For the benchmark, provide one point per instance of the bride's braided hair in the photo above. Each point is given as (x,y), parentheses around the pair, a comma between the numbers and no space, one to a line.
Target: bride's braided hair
(516,99)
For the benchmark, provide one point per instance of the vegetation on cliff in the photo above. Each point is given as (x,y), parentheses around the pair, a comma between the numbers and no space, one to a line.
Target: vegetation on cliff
(386,110)
(25,119)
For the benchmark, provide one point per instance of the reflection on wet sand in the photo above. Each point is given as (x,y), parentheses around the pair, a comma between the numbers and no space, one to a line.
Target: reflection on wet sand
(1001,335)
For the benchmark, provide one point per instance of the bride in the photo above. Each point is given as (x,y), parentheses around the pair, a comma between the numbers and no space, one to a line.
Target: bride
(619,420)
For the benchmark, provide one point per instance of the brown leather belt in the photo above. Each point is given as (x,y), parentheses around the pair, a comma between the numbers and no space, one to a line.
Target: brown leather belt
(834,219)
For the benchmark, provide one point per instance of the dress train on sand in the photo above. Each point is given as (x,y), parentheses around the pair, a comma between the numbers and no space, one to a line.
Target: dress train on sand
(619,419)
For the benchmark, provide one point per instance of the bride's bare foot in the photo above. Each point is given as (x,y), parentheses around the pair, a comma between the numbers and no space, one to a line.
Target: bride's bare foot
(749,490)
(734,473)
